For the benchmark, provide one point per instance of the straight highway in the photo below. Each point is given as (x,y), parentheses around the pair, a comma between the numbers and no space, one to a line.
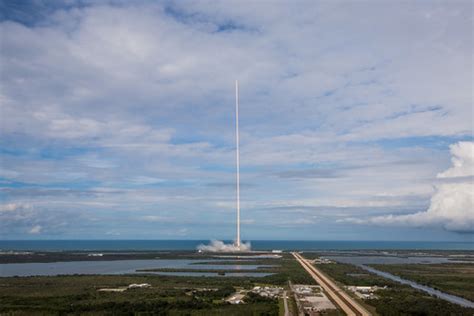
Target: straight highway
(342,299)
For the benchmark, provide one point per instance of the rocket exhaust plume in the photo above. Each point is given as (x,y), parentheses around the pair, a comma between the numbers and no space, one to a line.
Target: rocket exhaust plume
(220,246)
(237,159)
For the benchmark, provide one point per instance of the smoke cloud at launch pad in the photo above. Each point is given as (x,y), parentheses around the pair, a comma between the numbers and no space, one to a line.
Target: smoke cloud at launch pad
(220,246)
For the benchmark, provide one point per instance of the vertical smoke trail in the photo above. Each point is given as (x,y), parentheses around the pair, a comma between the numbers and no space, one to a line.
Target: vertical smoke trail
(237,246)
(237,159)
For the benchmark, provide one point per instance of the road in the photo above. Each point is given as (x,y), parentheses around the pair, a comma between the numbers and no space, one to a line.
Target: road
(342,299)
(285,303)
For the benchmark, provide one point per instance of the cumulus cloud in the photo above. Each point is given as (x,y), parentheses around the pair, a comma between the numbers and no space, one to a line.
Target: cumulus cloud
(35,230)
(462,160)
(452,205)
(121,110)
(220,246)
(11,207)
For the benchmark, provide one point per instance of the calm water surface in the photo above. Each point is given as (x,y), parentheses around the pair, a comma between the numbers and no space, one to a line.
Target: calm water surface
(210,274)
(388,259)
(121,267)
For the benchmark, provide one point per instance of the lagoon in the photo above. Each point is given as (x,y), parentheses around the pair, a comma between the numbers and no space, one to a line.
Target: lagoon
(124,267)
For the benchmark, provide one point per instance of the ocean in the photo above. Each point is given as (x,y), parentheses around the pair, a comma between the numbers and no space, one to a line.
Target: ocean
(162,245)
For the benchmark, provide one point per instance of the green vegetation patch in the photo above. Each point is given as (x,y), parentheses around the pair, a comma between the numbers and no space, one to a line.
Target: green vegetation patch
(453,278)
(396,299)
(63,295)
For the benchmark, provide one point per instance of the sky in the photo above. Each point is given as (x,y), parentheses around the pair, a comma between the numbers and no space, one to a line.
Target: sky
(356,119)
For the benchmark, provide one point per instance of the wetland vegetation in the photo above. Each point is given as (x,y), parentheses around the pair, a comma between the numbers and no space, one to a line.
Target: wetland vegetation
(452,278)
(396,299)
(168,295)
(178,295)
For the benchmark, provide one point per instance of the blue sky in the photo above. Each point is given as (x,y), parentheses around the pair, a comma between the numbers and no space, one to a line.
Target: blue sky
(117,119)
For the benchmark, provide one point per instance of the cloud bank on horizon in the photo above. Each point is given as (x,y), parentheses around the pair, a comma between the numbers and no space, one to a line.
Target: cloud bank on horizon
(116,119)
(452,205)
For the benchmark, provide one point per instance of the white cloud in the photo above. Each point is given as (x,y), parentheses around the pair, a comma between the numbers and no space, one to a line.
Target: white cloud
(452,205)
(462,160)
(116,58)
(144,180)
(35,230)
(124,96)
(11,207)
(155,218)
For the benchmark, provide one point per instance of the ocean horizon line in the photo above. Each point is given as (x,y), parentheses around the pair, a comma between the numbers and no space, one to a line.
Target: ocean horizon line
(257,245)
(231,240)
